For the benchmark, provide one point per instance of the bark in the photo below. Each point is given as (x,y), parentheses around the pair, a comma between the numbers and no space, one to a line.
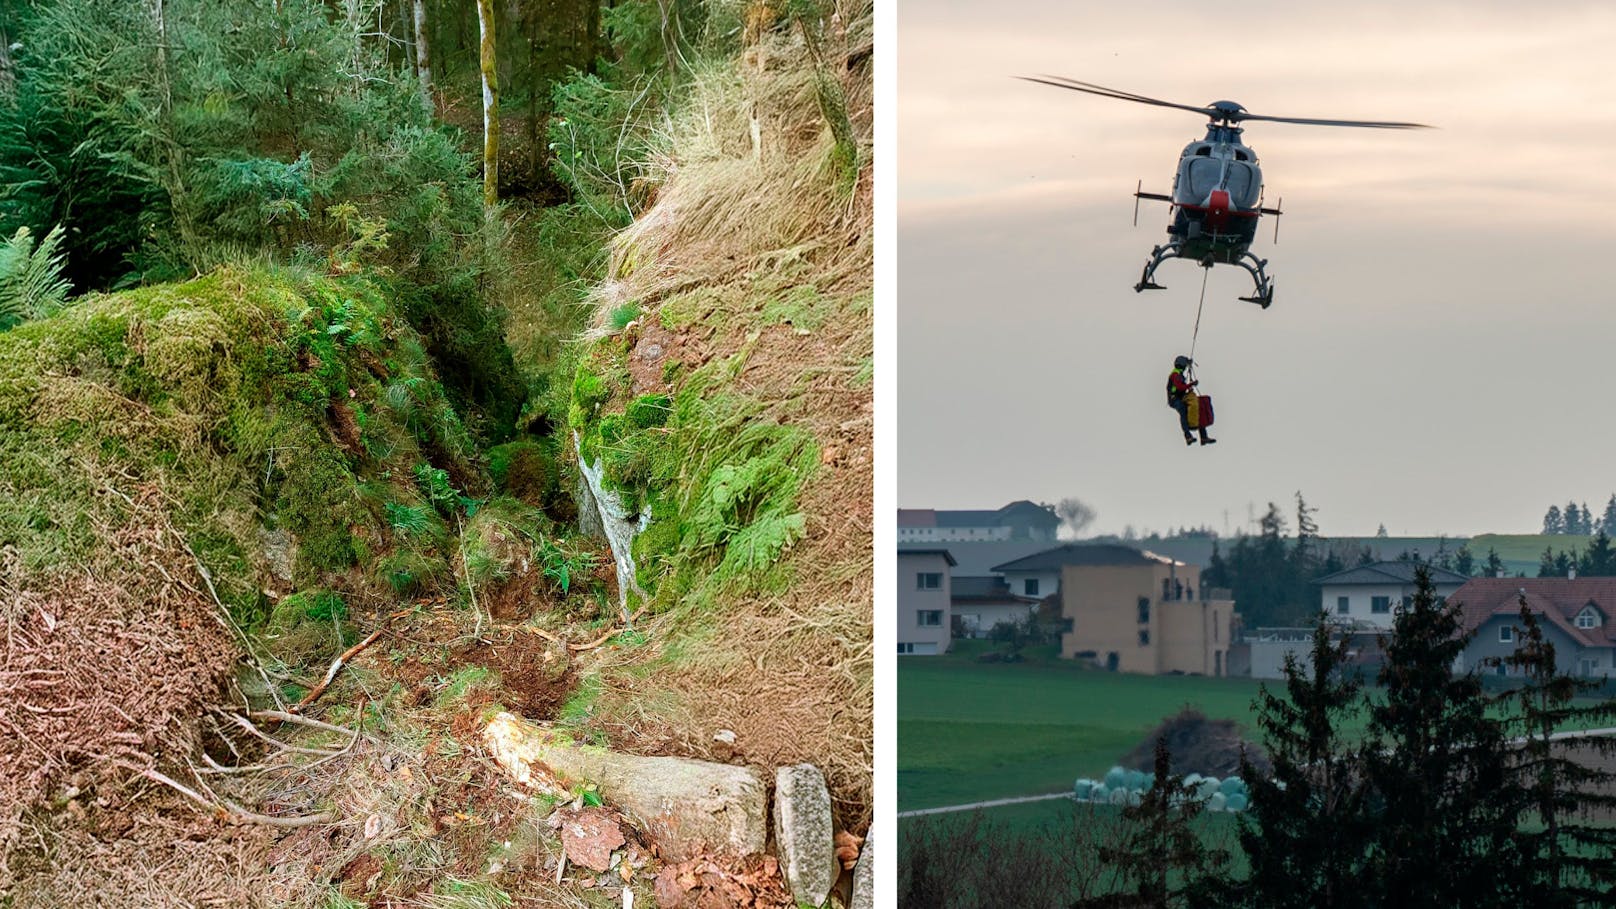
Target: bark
(172,152)
(423,58)
(485,19)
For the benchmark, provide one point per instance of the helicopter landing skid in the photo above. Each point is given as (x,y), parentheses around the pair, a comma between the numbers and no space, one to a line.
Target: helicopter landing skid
(1262,294)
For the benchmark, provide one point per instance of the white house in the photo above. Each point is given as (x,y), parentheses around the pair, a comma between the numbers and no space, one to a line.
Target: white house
(983,602)
(923,601)
(1369,594)
(1020,520)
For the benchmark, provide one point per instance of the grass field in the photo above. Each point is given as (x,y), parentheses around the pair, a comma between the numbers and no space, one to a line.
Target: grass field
(969,731)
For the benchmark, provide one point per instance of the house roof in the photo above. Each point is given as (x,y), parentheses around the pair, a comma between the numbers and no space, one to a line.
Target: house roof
(977,557)
(985,590)
(1389,573)
(1019,510)
(928,550)
(917,517)
(1084,554)
(967,519)
(1558,600)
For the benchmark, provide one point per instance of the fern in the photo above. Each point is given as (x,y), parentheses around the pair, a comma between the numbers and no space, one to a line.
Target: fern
(409,520)
(757,546)
(31,282)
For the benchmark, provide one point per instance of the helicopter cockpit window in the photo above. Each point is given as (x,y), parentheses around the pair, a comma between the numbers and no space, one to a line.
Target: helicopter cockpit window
(1203,174)
(1243,184)
(1204,151)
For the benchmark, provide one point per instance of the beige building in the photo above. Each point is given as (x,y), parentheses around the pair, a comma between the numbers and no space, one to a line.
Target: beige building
(1133,611)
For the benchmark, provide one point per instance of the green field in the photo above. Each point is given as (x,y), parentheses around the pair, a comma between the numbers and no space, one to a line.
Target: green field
(969,731)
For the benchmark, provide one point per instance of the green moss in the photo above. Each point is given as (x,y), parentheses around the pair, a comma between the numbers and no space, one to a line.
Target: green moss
(802,307)
(411,573)
(308,626)
(527,470)
(649,411)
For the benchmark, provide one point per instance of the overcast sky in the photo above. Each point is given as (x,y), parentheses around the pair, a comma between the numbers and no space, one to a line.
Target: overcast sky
(1441,352)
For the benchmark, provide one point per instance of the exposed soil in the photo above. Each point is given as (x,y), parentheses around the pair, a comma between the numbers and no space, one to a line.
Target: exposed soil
(535,675)
(1198,745)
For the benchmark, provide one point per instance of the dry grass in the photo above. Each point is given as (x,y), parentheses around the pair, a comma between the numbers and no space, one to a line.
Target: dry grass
(736,227)
(102,672)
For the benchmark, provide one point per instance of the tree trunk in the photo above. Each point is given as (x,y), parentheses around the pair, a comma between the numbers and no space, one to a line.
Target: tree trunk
(172,151)
(423,58)
(485,19)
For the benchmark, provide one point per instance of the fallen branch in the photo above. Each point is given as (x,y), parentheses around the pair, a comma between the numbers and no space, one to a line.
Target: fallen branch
(580,648)
(231,808)
(336,666)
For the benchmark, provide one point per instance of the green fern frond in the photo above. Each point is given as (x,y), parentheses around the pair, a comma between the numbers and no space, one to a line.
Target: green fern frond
(31,282)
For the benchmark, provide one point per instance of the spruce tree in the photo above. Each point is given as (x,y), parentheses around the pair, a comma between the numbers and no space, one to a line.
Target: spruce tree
(1160,859)
(1445,817)
(1306,832)
(1553,521)
(1608,522)
(1568,861)
(1464,561)
(1545,564)
(1495,565)
(1599,560)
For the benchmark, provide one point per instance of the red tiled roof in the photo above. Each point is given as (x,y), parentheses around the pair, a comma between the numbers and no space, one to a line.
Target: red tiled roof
(1556,599)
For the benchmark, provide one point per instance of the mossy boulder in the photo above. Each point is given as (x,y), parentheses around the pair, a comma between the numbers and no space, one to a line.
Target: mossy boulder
(308,626)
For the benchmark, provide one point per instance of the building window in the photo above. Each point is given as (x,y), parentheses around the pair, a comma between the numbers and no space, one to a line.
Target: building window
(1506,633)
(1167,589)
(929,618)
(1380,605)
(1341,605)
(1144,610)
(1144,637)
(929,580)
(1030,586)
(1587,619)
(1215,628)
(906,648)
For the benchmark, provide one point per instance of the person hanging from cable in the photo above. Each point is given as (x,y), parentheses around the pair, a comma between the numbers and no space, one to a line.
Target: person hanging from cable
(1194,410)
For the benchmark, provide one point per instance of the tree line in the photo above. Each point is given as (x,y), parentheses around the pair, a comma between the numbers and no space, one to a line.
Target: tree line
(1450,796)
(1579,520)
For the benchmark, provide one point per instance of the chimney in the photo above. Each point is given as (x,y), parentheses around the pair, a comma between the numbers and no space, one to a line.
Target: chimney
(1571,574)
(1499,573)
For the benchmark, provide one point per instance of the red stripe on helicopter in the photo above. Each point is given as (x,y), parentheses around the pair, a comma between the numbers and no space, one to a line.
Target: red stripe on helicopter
(1217,214)
(1234,213)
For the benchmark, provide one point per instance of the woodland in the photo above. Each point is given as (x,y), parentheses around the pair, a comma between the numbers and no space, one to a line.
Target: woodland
(370,368)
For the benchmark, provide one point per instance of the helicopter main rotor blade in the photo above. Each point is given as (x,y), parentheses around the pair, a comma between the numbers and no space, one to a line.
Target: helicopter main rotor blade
(1369,124)
(1074,85)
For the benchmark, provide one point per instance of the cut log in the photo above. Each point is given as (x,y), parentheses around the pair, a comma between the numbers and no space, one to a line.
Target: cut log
(689,807)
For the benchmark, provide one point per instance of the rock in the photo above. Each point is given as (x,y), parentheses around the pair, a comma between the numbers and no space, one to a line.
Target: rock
(690,807)
(864,874)
(803,833)
(589,837)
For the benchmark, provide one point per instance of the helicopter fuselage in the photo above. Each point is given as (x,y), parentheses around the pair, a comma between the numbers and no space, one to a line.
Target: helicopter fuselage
(1216,197)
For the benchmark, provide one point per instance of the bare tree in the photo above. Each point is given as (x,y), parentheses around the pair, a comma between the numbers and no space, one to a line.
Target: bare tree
(423,57)
(1075,515)
(485,19)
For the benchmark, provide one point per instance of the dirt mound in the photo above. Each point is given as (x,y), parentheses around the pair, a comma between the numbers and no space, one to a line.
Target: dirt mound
(1197,745)
(534,676)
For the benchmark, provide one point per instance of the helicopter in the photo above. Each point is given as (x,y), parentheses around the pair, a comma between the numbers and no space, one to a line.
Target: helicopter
(1217,192)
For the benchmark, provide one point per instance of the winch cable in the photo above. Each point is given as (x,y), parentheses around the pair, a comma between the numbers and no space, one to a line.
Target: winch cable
(1206,271)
